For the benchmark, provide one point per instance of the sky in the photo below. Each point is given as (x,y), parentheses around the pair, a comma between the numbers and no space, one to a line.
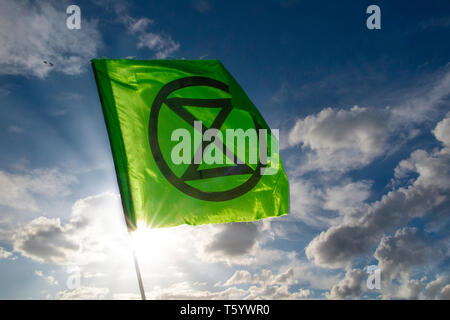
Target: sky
(364,119)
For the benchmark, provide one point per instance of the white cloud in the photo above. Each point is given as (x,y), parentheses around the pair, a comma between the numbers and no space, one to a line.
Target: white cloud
(140,25)
(45,240)
(408,289)
(442,133)
(267,285)
(95,240)
(342,139)
(235,239)
(237,244)
(422,105)
(88,274)
(397,254)
(49,278)
(350,285)
(4,254)
(310,198)
(347,197)
(160,43)
(445,293)
(42,35)
(20,190)
(419,289)
(83,293)
(93,231)
(241,276)
(275,286)
(438,288)
(185,291)
(337,246)
(127,296)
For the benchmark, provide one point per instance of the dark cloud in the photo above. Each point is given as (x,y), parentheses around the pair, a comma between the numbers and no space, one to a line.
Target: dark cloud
(235,239)
(397,254)
(45,240)
(350,285)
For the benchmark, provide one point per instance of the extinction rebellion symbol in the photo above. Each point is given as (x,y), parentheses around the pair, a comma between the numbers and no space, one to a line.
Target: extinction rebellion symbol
(194,172)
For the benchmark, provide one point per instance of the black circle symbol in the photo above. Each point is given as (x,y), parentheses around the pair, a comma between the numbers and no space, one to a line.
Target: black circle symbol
(175,104)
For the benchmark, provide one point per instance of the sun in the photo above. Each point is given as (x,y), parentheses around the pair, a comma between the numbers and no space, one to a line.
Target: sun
(155,245)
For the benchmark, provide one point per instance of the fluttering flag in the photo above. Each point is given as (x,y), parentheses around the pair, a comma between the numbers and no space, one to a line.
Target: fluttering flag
(189,147)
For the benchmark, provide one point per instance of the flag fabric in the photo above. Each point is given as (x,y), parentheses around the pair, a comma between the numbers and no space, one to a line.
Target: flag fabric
(150,107)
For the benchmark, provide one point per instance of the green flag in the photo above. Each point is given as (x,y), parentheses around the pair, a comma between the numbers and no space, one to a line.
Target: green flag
(189,147)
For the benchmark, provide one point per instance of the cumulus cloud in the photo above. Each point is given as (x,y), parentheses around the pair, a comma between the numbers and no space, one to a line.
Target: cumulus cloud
(353,285)
(442,133)
(409,289)
(45,240)
(414,289)
(4,254)
(337,246)
(438,288)
(185,291)
(445,293)
(347,197)
(275,286)
(235,239)
(350,285)
(344,139)
(341,139)
(93,228)
(83,293)
(397,254)
(41,35)
(267,285)
(94,239)
(242,276)
(238,243)
(19,190)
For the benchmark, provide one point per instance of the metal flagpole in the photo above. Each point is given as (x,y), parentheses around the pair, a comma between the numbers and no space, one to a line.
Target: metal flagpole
(138,271)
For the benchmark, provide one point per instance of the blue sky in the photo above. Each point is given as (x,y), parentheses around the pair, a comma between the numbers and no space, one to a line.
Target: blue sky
(364,124)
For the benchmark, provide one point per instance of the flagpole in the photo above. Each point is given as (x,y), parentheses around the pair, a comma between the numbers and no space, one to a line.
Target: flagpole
(138,272)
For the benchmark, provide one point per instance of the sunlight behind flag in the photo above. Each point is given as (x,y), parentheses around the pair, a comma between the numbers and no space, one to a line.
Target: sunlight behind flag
(189,147)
